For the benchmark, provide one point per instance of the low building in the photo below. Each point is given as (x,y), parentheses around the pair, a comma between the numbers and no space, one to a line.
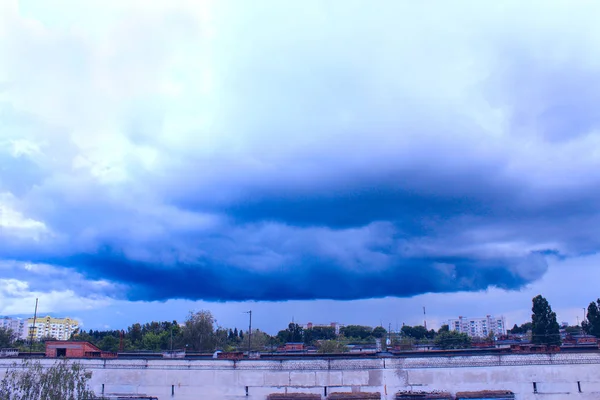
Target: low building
(74,349)
(49,327)
(294,346)
(479,327)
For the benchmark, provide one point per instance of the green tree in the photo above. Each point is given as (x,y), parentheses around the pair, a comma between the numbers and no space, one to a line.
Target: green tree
(153,341)
(7,337)
(198,332)
(417,332)
(317,333)
(30,381)
(356,331)
(332,347)
(293,333)
(109,343)
(443,328)
(592,325)
(544,328)
(452,340)
(379,332)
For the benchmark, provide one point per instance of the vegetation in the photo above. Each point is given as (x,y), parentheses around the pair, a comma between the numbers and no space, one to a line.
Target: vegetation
(520,330)
(7,338)
(30,381)
(452,340)
(544,328)
(331,347)
(592,325)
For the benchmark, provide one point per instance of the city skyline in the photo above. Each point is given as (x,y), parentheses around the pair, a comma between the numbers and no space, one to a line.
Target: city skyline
(322,161)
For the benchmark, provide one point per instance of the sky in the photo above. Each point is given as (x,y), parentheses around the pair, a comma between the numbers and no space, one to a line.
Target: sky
(333,160)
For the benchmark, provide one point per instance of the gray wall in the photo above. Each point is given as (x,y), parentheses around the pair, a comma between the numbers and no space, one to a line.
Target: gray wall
(556,376)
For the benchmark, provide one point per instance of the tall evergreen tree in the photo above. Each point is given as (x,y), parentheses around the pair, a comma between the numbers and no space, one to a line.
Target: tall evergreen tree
(544,328)
(592,325)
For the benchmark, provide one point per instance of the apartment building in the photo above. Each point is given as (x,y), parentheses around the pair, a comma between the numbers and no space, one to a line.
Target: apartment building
(57,328)
(479,327)
(17,325)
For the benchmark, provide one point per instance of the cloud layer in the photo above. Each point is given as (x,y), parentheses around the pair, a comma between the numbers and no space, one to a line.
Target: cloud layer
(222,151)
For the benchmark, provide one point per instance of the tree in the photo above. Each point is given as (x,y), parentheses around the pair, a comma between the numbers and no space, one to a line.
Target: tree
(544,328)
(294,333)
(443,328)
(7,337)
(417,332)
(452,340)
(198,332)
(109,343)
(356,331)
(592,325)
(519,330)
(379,332)
(316,333)
(332,347)
(30,381)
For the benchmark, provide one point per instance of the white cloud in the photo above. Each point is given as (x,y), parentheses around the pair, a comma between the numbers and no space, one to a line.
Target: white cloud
(16,297)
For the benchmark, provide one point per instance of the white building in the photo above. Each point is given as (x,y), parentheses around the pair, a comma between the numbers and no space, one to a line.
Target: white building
(17,325)
(478,327)
(335,325)
(57,328)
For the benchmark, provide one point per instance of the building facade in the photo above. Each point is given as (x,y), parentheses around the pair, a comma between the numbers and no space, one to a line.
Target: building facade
(17,325)
(479,327)
(335,325)
(57,328)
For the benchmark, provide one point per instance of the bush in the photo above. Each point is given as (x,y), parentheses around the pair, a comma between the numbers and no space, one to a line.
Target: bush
(31,381)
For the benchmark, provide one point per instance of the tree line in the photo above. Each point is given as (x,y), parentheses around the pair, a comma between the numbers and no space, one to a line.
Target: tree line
(201,333)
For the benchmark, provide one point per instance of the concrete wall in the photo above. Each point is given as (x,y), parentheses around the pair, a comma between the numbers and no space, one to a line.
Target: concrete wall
(556,376)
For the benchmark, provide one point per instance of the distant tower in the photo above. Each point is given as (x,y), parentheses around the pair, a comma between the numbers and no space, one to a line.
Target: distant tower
(424,318)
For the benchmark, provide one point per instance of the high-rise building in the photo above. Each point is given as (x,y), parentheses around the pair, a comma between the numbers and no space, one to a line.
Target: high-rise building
(17,325)
(478,327)
(57,328)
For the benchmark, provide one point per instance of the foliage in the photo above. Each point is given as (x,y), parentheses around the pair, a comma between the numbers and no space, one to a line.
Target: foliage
(544,328)
(452,340)
(573,330)
(7,337)
(198,332)
(379,332)
(520,330)
(316,333)
(417,332)
(356,331)
(30,381)
(443,328)
(294,333)
(332,347)
(592,325)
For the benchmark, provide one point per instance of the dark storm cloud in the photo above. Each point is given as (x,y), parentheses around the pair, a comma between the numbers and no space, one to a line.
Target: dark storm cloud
(330,152)
(307,278)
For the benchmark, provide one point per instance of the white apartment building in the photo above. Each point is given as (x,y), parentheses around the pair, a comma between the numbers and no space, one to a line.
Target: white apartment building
(57,328)
(17,325)
(478,327)
(335,325)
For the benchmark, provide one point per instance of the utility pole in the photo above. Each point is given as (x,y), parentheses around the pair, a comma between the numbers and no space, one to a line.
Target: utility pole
(249,331)
(33,328)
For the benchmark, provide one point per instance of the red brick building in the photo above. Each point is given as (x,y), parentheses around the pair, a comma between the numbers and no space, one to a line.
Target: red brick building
(72,349)
(294,346)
